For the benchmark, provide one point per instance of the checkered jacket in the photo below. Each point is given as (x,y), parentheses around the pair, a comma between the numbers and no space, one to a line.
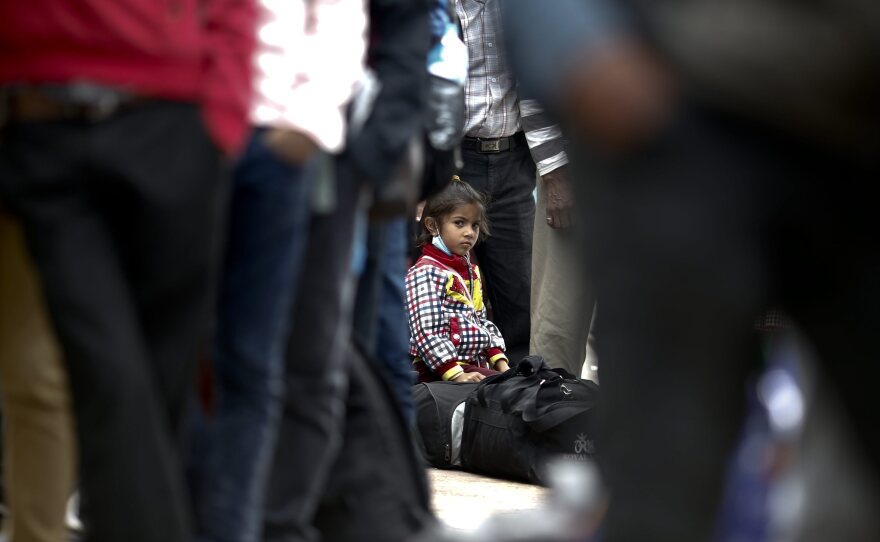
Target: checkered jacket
(447,318)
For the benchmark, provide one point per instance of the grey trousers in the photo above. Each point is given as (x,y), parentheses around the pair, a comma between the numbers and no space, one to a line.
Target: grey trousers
(561,303)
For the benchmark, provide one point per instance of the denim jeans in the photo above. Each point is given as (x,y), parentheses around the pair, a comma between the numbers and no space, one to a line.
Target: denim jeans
(232,448)
(392,339)
(380,312)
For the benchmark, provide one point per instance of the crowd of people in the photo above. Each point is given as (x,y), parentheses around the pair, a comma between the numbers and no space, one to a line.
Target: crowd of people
(208,209)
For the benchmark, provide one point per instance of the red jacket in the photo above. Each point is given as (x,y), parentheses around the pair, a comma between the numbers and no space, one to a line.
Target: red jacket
(447,318)
(189,50)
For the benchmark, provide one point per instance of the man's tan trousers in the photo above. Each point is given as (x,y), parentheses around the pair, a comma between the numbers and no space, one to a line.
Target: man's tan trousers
(561,304)
(38,438)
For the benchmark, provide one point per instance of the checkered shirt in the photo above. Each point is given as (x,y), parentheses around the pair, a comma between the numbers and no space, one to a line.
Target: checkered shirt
(493,108)
(447,317)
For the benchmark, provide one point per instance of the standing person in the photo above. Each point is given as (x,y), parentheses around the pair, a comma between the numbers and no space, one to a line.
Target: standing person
(450,335)
(743,190)
(116,116)
(316,369)
(380,308)
(507,139)
(298,108)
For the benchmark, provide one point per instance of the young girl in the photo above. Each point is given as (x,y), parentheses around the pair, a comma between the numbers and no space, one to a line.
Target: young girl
(450,336)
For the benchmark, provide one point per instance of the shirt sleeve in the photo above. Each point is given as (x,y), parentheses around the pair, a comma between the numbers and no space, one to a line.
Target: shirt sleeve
(309,92)
(425,293)
(543,137)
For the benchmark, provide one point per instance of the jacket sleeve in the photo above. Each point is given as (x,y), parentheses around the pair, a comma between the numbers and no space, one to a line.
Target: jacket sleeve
(425,293)
(495,351)
(398,52)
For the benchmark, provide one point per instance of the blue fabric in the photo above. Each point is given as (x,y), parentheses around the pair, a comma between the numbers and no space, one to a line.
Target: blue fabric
(439,18)
(392,341)
(232,449)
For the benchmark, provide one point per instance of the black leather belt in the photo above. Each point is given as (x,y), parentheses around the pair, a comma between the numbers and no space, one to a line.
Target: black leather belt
(487,146)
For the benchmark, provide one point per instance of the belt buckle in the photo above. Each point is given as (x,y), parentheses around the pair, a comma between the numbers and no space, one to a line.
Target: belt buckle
(490,145)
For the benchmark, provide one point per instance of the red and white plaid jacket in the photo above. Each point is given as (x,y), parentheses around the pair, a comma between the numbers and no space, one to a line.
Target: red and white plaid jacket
(447,318)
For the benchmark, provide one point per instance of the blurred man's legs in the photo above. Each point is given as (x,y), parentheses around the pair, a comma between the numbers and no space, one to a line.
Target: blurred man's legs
(313,409)
(267,234)
(121,217)
(39,447)
(829,258)
(678,267)
(703,229)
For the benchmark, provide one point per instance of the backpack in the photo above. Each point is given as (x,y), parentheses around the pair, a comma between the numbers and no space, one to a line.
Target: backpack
(435,403)
(520,420)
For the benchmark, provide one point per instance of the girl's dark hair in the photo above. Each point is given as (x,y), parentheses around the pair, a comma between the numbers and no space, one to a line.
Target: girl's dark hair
(456,193)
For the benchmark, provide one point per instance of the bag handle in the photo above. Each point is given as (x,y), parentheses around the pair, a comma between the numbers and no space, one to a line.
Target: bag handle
(530,367)
(491,381)
(546,418)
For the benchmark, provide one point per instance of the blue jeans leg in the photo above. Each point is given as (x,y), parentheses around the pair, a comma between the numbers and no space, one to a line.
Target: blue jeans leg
(267,234)
(392,341)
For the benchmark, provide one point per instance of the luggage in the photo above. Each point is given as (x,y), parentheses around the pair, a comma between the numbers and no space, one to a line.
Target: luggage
(436,403)
(517,422)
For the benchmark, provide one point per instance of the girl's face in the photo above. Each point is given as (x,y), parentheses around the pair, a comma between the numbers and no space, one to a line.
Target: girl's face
(460,229)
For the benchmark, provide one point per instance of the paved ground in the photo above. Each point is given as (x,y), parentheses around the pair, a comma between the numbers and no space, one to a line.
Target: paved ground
(463,500)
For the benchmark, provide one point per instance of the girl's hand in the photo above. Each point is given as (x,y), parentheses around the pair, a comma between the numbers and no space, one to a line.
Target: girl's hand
(467,377)
(501,366)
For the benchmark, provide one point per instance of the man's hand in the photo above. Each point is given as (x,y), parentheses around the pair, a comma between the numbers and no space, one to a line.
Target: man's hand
(501,366)
(290,145)
(619,96)
(559,198)
(467,377)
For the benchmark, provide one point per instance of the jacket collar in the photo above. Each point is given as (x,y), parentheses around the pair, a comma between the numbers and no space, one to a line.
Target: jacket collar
(455,262)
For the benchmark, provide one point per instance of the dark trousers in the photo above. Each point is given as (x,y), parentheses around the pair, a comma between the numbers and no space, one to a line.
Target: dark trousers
(690,238)
(233,446)
(505,258)
(313,412)
(121,218)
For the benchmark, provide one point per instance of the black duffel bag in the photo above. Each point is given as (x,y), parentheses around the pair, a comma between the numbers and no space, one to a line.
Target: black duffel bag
(518,421)
(435,402)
